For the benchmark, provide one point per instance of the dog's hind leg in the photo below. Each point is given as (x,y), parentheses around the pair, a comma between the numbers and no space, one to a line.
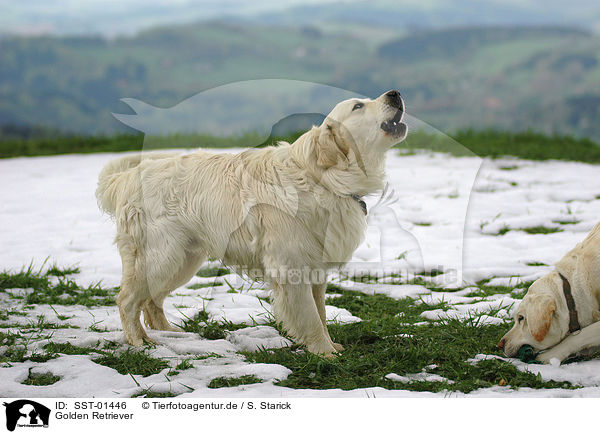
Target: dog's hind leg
(295,307)
(133,292)
(154,316)
(318,291)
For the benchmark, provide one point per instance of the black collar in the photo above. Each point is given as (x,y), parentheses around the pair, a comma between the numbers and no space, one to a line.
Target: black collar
(573,318)
(361,202)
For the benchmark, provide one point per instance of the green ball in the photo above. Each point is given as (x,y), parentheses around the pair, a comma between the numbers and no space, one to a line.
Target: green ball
(526,354)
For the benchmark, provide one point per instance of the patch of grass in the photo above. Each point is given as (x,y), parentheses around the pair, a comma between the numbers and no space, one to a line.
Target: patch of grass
(68,349)
(207,328)
(16,348)
(533,230)
(513,167)
(431,273)
(62,272)
(496,144)
(503,230)
(130,361)
(208,356)
(41,324)
(212,272)
(422,223)
(26,278)
(541,230)
(536,264)
(386,342)
(184,364)
(485,290)
(5,314)
(67,292)
(147,393)
(203,285)
(45,379)
(216,383)
(64,292)
(567,222)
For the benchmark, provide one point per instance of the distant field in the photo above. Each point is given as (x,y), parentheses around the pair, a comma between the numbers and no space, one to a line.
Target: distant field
(486,143)
(513,78)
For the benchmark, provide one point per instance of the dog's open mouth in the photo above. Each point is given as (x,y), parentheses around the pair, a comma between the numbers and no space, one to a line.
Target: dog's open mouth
(395,126)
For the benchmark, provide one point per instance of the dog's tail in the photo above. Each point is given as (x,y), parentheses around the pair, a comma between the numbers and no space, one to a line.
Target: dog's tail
(112,184)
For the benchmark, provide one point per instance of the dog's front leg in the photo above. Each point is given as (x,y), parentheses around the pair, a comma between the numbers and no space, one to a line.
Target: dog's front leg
(296,310)
(318,290)
(588,337)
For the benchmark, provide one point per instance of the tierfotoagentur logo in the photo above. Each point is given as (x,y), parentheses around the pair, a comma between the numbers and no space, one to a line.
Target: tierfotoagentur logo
(25,413)
(265,109)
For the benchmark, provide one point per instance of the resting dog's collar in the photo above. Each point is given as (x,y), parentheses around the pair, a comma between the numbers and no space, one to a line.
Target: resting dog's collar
(361,202)
(573,317)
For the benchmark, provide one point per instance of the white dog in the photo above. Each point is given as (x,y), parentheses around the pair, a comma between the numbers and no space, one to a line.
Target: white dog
(285,210)
(561,310)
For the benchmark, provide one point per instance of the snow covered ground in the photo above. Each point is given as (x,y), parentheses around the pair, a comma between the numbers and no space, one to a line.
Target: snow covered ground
(441,212)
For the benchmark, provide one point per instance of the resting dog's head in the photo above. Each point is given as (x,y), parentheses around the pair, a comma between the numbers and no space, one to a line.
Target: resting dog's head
(541,319)
(354,137)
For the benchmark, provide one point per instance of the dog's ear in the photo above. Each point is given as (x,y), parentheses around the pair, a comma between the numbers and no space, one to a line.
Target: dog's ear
(331,148)
(539,316)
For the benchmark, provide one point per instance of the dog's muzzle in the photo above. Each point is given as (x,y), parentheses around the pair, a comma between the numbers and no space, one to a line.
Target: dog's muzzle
(395,126)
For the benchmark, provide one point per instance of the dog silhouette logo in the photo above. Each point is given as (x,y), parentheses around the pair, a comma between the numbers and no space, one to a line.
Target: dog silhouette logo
(26,413)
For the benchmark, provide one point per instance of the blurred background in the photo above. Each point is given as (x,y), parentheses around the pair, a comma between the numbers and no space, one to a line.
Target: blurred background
(502,64)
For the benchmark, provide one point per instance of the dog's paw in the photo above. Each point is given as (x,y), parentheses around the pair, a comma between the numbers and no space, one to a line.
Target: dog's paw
(338,347)
(134,342)
(550,358)
(326,350)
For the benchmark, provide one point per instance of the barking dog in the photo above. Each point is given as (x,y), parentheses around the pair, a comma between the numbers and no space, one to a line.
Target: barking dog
(280,210)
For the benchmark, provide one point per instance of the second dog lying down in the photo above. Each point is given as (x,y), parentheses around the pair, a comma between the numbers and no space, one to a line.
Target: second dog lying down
(561,311)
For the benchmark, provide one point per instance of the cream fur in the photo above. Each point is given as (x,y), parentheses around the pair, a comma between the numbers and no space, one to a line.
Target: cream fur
(272,209)
(542,319)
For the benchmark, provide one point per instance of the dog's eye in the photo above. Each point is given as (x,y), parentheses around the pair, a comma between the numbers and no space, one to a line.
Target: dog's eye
(520,318)
(357,106)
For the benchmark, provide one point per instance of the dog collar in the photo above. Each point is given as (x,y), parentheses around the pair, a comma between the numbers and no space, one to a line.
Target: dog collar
(361,202)
(573,317)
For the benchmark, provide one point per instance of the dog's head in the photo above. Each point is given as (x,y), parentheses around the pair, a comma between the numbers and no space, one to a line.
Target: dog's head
(363,126)
(541,319)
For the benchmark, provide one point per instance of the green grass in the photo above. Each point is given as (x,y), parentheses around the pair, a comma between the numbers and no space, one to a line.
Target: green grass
(212,272)
(132,362)
(497,144)
(207,328)
(385,342)
(485,143)
(567,222)
(216,383)
(68,349)
(184,364)
(45,379)
(55,270)
(534,230)
(148,393)
(203,285)
(60,291)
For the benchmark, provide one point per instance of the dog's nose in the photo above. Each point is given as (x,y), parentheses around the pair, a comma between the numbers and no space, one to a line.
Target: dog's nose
(501,343)
(394,99)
